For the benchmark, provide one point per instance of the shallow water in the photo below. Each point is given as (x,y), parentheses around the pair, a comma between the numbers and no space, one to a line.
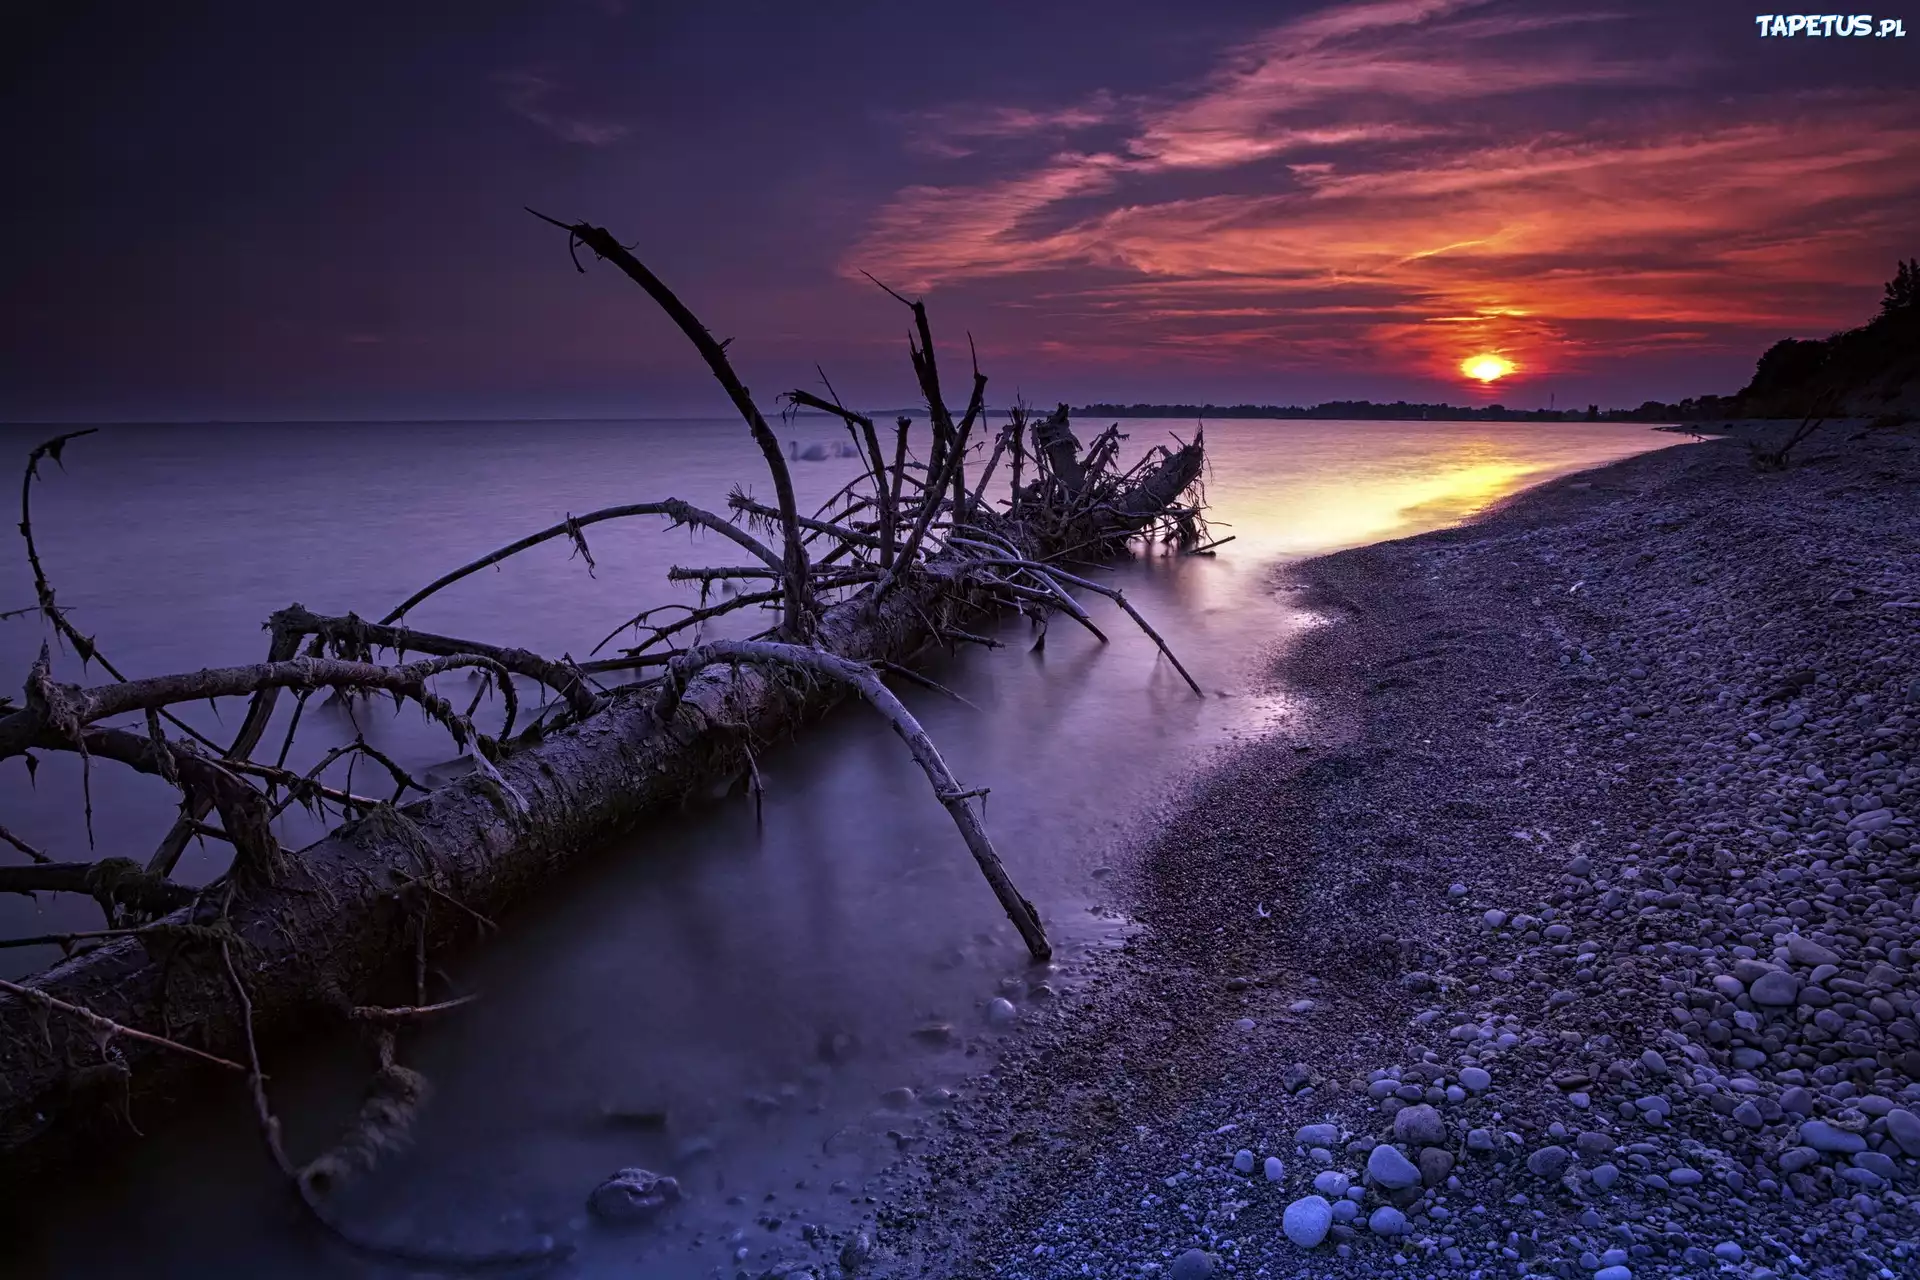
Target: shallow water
(699,969)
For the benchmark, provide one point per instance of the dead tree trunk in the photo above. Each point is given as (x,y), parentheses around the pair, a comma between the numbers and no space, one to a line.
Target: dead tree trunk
(324,929)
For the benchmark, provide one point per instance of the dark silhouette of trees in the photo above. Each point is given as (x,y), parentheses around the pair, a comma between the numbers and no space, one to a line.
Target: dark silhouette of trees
(1903,291)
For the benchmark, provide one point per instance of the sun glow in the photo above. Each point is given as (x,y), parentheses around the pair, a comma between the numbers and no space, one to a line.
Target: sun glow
(1486,368)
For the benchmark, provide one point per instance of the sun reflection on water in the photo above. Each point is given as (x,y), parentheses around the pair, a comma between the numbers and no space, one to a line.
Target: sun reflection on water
(1285,489)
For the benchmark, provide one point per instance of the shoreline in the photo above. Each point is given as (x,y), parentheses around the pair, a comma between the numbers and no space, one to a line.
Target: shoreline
(1548,1014)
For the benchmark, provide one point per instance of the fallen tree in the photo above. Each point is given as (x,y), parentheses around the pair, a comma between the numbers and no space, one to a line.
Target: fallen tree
(184,982)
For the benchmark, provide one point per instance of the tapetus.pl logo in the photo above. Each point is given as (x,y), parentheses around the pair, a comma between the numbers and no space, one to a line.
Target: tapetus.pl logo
(1829,24)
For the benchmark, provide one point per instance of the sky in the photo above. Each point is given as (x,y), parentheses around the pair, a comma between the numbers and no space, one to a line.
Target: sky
(234,210)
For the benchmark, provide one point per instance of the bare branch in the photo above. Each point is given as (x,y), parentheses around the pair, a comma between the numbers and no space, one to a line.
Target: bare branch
(1114,594)
(407,1013)
(603,243)
(864,681)
(107,1028)
(680,512)
(353,637)
(26,728)
(114,882)
(7,837)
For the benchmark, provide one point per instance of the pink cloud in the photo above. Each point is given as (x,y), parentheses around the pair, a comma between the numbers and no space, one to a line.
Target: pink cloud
(1424,181)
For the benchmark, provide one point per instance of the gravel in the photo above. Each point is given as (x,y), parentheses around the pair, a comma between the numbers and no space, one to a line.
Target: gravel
(1645,737)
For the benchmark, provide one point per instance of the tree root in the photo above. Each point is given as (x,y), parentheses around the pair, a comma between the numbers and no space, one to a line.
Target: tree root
(384,1121)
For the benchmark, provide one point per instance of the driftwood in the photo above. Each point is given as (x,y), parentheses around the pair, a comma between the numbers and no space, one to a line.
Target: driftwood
(283,937)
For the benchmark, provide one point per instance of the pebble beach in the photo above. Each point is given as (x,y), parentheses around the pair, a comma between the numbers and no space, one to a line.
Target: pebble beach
(1570,929)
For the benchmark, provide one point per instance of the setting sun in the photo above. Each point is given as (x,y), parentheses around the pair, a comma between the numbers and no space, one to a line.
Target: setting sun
(1486,368)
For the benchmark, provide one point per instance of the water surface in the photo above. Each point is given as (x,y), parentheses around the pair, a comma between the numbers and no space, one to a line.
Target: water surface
(757,978)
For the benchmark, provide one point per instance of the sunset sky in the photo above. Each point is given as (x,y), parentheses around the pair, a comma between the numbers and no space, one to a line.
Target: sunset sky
(306,211)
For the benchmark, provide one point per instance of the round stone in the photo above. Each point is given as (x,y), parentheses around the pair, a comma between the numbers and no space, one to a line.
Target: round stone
(1809,953)
(1823,1137)
(1192,1265)
(1000,1011)
(1275,1170)
(1618,1271)
(1317,1135)
(633,1195)
(1775,989)
(1243,1161)
(1307,1221)
(1389,1169)
(1387,1221)
(1419,1126)
(1903,1126)
(1548,1162)
(1332,1183)
(1435,1164)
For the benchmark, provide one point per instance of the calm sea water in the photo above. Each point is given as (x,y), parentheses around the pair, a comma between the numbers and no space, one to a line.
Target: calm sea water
(696,968)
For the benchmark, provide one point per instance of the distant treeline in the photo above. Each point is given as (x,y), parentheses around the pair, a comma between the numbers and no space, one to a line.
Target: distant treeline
(1870,371)
(1873,370)
(1398,411)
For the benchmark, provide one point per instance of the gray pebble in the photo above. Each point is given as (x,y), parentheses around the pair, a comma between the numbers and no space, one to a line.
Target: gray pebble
(1307,1221)
(1332,1183)
(1903,1126)
(1548,1162)
(1419,1126)
(1388,1168)
(1809,953)
(633,1195)
(1824,1138)
(1776,989)
(1387,1221)
(1317,1135)
(1192,1265)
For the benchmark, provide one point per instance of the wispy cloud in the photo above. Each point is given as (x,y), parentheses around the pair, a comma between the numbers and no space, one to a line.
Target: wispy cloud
(958,131)
(530,94)
(1392,183)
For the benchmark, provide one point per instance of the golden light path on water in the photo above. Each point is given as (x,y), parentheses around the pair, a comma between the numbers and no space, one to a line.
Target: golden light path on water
(1284,490)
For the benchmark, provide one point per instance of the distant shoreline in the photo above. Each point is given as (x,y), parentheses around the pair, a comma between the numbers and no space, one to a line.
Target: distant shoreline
(1368,411)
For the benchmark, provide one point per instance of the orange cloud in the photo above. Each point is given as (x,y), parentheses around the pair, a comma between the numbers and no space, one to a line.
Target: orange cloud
(1388,189)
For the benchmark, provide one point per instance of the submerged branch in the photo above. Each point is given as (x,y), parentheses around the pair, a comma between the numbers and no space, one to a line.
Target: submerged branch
(862,679)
